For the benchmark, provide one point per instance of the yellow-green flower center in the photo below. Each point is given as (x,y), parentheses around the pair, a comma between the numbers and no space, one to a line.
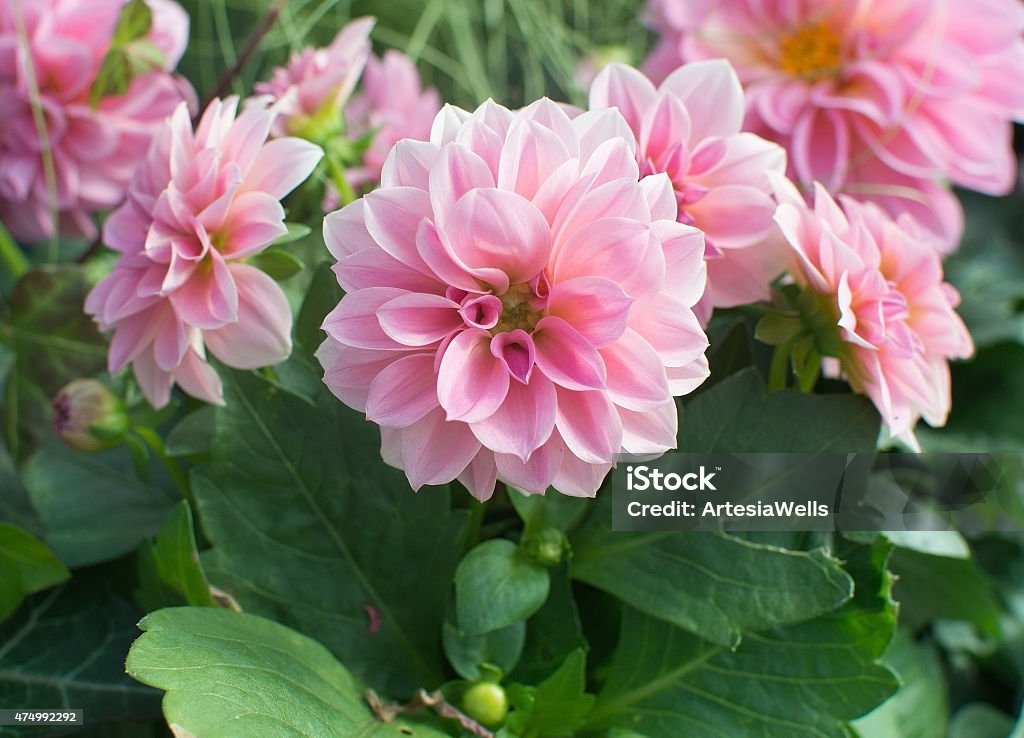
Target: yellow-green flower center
(812,51)
(520,309)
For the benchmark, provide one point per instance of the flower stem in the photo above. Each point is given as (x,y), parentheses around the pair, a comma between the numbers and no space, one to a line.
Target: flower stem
(11,254)
(779,366)
(346,194)
(174,470)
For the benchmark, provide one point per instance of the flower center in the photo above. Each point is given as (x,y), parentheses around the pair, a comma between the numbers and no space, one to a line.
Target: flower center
(521,309)
(811,51)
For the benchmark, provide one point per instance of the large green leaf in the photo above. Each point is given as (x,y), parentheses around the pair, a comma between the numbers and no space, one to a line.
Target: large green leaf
(801,681)
(169,569)
(310,528)
(15,506)
(714,585)
(236,675)
(558,705)
(552,633)
(920,708)
(94,506)
(26,566)
(738,415)
(66,648)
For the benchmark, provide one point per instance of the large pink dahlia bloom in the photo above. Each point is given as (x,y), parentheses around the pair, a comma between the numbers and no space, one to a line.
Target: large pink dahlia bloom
(391,106)
(518,302)
(95,147)
(199,205)
(881,281)
(689,128)
(316,83)
(883,100)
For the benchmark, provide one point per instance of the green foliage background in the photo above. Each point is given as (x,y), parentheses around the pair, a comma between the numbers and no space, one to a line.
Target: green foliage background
(349,581)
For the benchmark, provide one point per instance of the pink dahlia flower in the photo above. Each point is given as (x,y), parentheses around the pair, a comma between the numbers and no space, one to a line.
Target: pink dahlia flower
(392,105)
(883,100)
(519,302)
(95,148)
(689,128)
(316,83)
(200,204)
(881,281)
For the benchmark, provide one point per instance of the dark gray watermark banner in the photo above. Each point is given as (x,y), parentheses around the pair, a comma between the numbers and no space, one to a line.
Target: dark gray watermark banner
(974,492)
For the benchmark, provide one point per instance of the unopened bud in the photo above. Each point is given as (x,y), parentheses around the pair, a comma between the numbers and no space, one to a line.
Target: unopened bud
(548,546)
(88,416)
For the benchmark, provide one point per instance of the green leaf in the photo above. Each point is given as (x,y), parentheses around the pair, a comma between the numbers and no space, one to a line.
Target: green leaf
(939,587)
(235,675)
(920,708)
(981,720)
(277,263)
(135,21)
(496,586)
(714,585)
(296,232)
(177,559)
(549,511)
(15,506)
(322,297)
(800,681)
(558,706)
(988,397)
(193,435)
(309,527)
(26,566)
(93,505)
(65,648)
(552,633)
(737,415)
(499,649)
(54,342)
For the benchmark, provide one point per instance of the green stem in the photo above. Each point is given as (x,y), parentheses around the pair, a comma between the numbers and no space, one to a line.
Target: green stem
(809,378)
(779,367)
(476,521)
(174,470)
(11,254)
(346,194)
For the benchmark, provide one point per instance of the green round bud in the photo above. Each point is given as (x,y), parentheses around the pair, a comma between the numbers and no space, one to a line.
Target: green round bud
(89,417)
(548,546)
(486,703)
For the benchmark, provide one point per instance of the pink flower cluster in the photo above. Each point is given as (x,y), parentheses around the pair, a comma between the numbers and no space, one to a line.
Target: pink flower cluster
(392,105)
(519,302)
(315,85)
(56,47)
(201,203)
(689,128)
(881,281)
(882,100)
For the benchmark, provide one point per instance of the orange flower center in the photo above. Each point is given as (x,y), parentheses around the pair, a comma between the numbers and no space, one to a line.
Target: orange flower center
(811,51)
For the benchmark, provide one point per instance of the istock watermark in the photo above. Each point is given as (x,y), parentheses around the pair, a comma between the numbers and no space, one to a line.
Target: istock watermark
(819,492)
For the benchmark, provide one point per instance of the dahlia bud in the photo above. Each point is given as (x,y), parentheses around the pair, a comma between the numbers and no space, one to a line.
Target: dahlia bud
(88,416)
(486,703)
(548,546)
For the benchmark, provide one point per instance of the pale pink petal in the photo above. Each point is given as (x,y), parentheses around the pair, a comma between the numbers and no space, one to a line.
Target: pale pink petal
(589,424)
(418,319)
(435,451)
(523,422)
(480,476)
(636,377)
(471,382)
(262,334)
(403,392)
(282,165)
(199,379)
(354,321)
(566,357)
(594,306)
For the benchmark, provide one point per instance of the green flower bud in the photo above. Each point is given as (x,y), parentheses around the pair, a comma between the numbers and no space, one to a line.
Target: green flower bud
(548,546)
(88,416)
(486,703)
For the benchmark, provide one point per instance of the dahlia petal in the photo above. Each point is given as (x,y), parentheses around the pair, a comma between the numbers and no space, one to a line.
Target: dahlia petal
(471,382)
(734,216)
(419,319)
(456,171)
(531,153)
(685,268)
(620,249)
(821,148)
(589,424)
(392,217)
(199,379)
(566,357)
(209,298)
(435,451)
(255,221)
(712,95)
(409,164)
(650,432)
(625,88)
(376,268)
(671,329)
(534,475)
(354,322)
(345,231)
(636,377)
(594,306)
(281,165)
(480,476)
(403,392)
(262,334)
(154,382)
(523,422)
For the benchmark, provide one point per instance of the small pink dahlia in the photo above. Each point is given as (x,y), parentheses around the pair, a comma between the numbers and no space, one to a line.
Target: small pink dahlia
(316,83)
(519,302)
(95,145)
(689,128)
(883,100)
(880,280)
(391,106)
(200,204)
